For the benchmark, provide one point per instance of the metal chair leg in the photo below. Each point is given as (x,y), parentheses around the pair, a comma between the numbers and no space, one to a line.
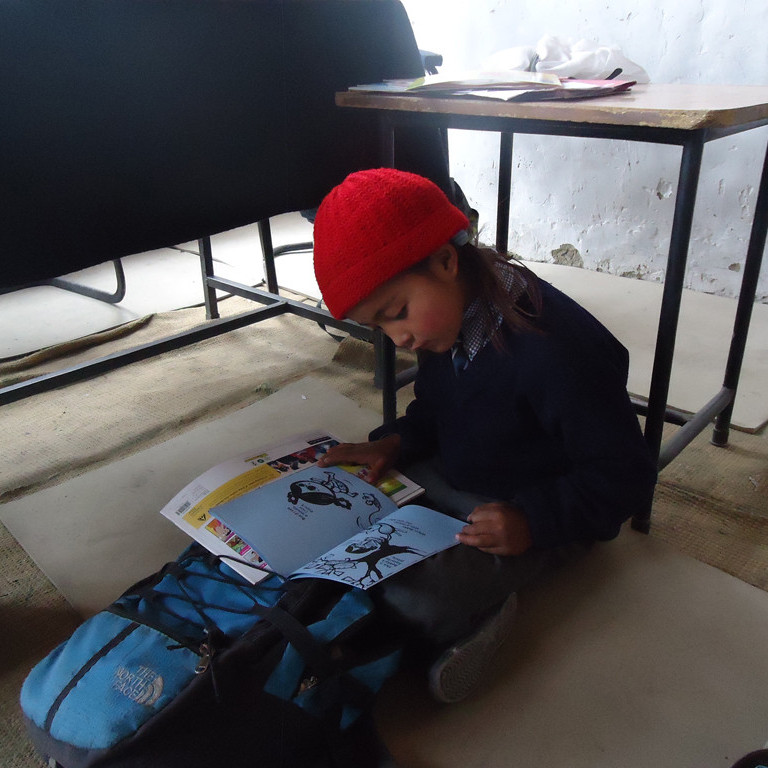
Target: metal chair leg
(94,293)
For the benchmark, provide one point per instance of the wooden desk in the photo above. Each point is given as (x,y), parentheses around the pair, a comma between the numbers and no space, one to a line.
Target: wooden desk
(685,115)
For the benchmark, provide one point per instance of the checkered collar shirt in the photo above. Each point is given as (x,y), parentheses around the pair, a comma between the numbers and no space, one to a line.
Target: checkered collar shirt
(476,332)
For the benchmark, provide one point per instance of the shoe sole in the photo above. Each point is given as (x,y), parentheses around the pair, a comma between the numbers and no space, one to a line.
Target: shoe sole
(457,672)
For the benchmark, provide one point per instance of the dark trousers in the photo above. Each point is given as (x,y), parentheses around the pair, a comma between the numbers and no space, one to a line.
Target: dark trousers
(446,597)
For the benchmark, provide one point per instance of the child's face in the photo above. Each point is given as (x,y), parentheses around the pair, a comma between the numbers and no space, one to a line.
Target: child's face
(419,310)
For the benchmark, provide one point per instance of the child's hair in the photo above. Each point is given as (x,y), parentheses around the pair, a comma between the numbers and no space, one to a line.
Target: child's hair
(479,270)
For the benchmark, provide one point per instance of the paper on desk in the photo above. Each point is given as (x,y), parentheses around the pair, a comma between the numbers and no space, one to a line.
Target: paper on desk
(569,89)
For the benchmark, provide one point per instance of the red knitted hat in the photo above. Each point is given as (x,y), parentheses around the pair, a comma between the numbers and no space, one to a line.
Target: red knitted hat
(372,226)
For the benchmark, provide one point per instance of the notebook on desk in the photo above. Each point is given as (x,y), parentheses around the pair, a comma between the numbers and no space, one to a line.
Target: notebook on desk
(512,85)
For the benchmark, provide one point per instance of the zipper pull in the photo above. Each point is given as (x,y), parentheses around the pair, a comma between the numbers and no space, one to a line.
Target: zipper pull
(206,654)
(308,682)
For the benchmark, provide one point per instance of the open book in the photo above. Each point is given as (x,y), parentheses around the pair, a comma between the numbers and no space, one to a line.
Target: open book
(508,85)
(278,511)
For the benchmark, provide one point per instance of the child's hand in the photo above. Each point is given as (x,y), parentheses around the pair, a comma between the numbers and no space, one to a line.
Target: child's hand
(379,455)
(497,528)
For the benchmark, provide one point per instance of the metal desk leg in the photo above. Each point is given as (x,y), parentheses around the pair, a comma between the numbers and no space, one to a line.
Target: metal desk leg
(505,189)
(690,166)
(270,273)
(385,378)
(384,349)
(386,142)
(745,304)
(206,267)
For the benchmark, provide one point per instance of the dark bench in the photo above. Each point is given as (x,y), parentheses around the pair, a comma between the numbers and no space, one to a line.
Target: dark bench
(133,126)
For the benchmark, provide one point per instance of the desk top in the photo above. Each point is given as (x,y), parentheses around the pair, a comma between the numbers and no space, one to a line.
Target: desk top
(677,106)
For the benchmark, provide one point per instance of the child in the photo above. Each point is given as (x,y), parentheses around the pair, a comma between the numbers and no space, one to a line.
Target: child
(521,423)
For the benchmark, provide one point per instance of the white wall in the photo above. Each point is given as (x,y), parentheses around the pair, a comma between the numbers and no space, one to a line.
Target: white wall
(612,200)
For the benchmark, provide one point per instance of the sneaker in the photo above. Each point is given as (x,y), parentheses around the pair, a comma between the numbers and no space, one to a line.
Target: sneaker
(455,674)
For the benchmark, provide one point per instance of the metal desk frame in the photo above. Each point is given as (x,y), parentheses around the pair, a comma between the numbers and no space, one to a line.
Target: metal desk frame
(273,304)
(509,118)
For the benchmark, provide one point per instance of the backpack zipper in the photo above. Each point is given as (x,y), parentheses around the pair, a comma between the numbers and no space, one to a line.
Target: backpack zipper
(203,649)
(103,651)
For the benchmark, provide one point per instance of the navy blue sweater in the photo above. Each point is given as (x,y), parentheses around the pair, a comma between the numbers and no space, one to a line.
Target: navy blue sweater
(546,424)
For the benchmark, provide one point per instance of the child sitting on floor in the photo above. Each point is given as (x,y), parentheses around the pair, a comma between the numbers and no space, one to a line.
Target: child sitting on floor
(521,422)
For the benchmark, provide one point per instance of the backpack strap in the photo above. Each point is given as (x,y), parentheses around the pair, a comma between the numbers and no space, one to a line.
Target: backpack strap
(312,659)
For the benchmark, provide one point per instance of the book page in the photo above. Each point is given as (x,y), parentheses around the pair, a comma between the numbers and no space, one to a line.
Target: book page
(190,509)
(296,518)
(397,541)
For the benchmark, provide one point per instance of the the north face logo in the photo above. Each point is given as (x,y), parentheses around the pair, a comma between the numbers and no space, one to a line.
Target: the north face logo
(142,685)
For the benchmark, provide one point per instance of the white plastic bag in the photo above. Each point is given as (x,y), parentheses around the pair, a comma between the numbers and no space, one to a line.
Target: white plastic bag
(584,59)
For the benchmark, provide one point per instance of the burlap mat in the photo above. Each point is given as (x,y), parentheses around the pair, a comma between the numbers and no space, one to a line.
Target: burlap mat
(54,435)
(712,504)
(17,369)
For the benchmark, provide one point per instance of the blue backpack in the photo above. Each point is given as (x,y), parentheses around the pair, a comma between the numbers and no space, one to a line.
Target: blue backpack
(195,666)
